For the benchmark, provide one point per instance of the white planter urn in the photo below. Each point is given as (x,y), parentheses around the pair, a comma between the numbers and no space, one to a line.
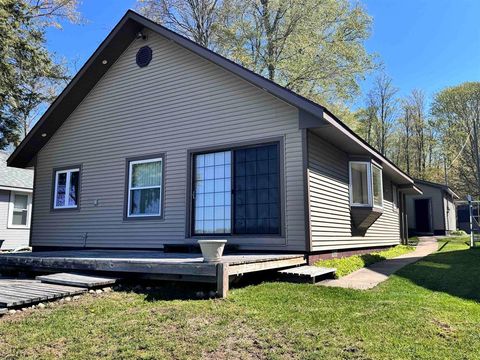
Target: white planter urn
(212,250)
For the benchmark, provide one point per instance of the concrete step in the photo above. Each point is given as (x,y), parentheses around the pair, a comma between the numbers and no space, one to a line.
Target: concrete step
(3,311)
(308,273)
(77,280)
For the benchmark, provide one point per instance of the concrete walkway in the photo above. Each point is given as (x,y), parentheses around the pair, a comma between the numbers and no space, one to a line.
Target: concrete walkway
(373,275)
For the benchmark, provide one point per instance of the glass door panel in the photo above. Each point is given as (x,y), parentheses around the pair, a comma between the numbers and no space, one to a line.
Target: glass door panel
(212,193)
(257,190)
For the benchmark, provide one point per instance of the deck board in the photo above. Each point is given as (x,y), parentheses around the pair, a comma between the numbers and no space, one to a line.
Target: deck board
(150,262)
(153,264)
(81,280)
(310,273)
(14,292)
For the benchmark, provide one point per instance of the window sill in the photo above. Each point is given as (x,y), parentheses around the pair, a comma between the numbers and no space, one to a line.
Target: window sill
(133,218)
(65,209)
(19,227)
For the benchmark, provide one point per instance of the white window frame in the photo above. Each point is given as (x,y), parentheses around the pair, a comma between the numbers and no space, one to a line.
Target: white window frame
(11,207)
(381,185)
(394,197)
(67,188)
(369,183)
(369,165)
(130,168)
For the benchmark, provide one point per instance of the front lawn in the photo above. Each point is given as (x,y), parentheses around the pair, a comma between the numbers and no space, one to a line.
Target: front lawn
(349,264)
(428,310)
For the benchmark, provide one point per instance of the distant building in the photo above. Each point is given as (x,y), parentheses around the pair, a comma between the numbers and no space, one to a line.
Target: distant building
(16,188)
(433,212)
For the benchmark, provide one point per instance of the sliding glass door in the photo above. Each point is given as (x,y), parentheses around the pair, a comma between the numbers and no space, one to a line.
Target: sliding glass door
(255,180)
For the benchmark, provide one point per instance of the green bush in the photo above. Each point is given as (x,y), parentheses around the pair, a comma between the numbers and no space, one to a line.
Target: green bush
(347,265)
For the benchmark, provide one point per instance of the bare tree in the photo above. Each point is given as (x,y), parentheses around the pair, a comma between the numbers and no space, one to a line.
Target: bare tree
(406,132)
(383,104)
(54,12)
(457,114)
(194,19)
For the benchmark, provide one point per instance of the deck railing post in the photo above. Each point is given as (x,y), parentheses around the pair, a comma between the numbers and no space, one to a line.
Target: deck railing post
(222,280)
(470,213)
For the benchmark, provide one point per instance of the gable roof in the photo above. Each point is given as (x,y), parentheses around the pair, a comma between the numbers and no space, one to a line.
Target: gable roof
(443,187)
(14,177)
(111,49)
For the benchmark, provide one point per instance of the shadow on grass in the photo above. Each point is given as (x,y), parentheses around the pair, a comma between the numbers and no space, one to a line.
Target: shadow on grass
(453,272)
(157,290)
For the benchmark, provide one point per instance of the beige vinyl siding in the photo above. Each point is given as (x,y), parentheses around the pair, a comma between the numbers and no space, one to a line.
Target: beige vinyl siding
(450,213)
(177,103)
(13,237)
(329,205)
(437,203)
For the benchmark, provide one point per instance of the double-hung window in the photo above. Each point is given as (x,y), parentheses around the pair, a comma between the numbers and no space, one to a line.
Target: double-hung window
(366,185)
(145,186)
(66,189)
(19,210)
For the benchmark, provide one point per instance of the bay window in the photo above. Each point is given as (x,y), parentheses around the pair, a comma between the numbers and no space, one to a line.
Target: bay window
(366,186)
(377,185)
(145,188)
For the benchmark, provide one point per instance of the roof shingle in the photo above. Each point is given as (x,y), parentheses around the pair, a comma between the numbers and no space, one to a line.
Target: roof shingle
(14,177)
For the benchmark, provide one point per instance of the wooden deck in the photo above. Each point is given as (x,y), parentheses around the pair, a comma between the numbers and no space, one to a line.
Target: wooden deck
(151,264)
(16,292)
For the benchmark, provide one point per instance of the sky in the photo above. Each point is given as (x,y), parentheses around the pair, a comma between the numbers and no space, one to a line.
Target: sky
(422,44)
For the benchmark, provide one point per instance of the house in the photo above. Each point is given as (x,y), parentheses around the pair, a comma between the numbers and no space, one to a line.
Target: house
(432,212)
(16,187)
(158,142)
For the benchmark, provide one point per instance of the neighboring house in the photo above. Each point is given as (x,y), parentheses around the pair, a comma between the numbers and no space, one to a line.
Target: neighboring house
(158,142)
(15,205)
(434,211)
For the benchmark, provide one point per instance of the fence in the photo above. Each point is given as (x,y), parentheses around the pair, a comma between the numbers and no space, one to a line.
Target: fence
(468,219)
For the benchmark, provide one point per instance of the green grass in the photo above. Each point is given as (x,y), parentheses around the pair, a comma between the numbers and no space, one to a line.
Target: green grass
(428,310)
(347,265)
(413,241)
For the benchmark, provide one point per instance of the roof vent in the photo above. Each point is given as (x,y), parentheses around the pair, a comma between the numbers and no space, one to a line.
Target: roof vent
(144,56)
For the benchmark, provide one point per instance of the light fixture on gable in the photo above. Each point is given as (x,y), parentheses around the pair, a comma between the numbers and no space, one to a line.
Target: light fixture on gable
(104,61)
(141,35)
(44,134)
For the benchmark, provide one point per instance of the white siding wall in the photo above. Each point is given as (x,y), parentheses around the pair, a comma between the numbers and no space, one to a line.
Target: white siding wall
(329,203)
(450,213)
(179,102)
(13,237)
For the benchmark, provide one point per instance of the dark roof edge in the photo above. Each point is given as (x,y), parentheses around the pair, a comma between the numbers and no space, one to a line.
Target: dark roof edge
(248,75)
(13,158)
(438,185)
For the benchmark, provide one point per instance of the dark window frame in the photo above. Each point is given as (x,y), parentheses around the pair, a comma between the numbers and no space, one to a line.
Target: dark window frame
(79,196)
(127,184)
(189,226)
